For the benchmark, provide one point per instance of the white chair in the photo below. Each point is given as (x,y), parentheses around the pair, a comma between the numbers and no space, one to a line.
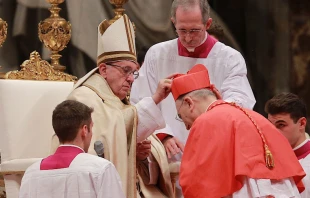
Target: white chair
(26,125)
(13,172)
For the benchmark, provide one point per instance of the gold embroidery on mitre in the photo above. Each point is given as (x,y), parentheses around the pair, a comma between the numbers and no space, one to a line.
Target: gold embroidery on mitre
(117,55)
(103,26)
(130,39)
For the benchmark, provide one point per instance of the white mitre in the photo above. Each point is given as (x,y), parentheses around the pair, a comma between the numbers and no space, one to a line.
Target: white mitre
(116,41)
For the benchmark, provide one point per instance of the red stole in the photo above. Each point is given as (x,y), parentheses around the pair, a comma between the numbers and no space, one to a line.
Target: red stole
(62,158)
(202,51)
(303,151)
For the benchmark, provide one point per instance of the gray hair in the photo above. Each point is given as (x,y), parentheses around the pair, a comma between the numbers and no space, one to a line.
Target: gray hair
(202,94)
(187,4)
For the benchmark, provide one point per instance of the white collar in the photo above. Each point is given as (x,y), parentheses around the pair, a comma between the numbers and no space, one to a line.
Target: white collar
(71,145)
(301,144)
(193,49)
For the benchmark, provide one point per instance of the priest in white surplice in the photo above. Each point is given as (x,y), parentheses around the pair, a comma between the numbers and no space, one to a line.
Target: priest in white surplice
(289,114)
(71,171)
(226,67)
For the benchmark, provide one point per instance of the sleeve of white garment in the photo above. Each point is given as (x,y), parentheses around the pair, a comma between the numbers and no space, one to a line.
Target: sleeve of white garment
(109,183)
(236,87)
(149,118)
(145,86)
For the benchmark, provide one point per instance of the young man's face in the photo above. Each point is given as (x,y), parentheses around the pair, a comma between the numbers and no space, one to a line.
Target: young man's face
(294,132)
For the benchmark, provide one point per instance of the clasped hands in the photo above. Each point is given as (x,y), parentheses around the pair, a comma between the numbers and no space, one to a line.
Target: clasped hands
(143,150)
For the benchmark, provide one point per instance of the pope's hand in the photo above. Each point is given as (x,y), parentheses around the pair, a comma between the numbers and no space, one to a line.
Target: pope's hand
(163,89)
(173,146)
(143,150)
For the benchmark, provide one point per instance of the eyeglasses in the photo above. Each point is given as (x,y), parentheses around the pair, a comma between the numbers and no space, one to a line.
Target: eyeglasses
(127,71)
(192,32)
(178,116)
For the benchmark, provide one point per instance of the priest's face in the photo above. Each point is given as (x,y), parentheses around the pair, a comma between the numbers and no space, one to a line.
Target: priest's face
(189,26)
(293,131)
(120,76)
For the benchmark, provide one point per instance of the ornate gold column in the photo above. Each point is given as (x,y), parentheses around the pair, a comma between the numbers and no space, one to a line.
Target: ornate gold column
(3,31)
(3,34)
(119,10)
(55,33)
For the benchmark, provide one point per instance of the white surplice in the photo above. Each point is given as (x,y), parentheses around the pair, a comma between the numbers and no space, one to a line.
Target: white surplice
(305,163)
(264,188)
(87,176)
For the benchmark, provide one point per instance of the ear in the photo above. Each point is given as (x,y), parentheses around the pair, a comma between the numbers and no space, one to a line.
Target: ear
(303,123)
(208,24)
(103,70)
(190,102)
(172,20)
(84,131)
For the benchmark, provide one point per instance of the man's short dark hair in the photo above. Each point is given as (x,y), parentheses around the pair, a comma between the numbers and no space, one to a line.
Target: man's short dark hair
(287,103)
(68,117)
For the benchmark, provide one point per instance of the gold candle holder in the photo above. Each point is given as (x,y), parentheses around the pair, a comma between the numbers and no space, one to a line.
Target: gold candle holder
(55,33)
(119,10)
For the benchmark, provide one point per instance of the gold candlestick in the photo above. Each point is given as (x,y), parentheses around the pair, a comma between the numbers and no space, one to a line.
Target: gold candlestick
(119,10)
(55,33)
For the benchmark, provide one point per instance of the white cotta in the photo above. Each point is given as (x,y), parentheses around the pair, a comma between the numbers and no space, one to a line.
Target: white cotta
(262,188)
(87,176)
(305,163)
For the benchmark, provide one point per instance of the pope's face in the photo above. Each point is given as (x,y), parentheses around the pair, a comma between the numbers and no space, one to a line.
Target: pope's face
(119,77)
(189,26)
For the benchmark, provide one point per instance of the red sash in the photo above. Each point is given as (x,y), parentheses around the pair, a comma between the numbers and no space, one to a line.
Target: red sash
(303,151)
(202,51)
(62,158)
